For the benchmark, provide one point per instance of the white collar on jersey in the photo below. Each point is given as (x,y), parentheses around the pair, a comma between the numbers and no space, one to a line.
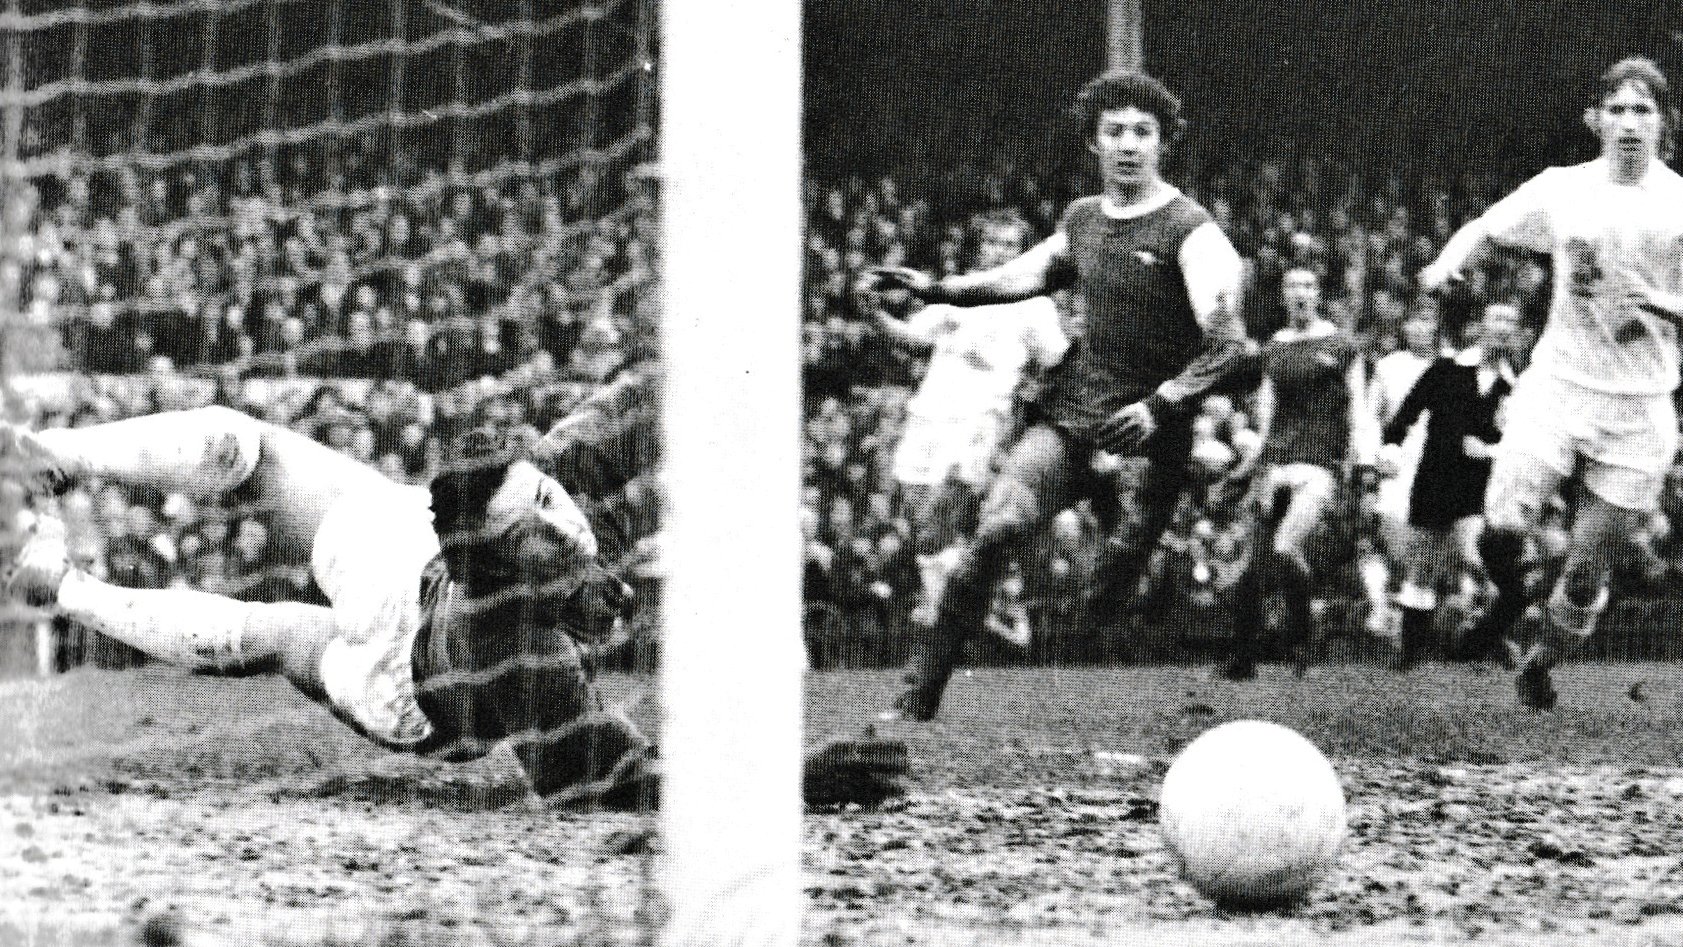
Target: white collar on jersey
(1604,172)
(1166,192)
(1473,356)
(1319,329)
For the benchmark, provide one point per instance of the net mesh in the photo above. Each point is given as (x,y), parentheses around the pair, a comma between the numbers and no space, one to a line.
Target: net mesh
(344,218)
(149,126)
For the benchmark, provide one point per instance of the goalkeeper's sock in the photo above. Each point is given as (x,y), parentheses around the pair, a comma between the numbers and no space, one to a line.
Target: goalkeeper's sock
(182,626)
(207,450)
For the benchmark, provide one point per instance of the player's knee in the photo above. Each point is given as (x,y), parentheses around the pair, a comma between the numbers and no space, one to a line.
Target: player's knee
(233,446)
(1009,512)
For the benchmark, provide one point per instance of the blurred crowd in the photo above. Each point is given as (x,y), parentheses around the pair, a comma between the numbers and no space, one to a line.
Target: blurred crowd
(1365,236)
(278,266)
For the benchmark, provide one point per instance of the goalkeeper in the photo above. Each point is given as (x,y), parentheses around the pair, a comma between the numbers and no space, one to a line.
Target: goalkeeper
(460,613)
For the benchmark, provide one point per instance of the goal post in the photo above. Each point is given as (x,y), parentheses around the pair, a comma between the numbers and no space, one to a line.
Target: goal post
(733,686)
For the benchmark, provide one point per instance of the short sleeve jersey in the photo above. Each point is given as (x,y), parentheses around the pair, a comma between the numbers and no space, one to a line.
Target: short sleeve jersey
(1141,330)
(1596,232)
(980,354)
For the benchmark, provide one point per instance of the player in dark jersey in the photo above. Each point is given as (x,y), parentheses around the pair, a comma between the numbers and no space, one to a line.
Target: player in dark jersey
(460,613)
(1314,426)
(1160,281)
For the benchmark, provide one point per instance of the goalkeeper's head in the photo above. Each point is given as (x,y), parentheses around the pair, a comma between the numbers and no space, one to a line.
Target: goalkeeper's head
(1119,90)
(508,531)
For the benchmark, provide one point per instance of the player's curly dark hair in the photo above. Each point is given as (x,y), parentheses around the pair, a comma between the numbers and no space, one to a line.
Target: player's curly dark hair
(1646,73)
(1115,90)
(475,466)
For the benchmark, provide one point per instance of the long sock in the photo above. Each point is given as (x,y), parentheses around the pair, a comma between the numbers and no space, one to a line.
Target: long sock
(1416,635)
(215,449)
(182,626)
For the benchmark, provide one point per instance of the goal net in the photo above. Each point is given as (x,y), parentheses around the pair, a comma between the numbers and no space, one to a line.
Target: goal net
(377,223)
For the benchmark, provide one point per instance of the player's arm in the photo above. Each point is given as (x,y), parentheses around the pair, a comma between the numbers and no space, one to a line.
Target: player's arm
(1364,423)
(1651,299)
(1027,276)
(1520,220)
(1263,412)
(1413,404)
(1211,268)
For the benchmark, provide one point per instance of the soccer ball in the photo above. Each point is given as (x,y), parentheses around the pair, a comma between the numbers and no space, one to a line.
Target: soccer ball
(1254,814)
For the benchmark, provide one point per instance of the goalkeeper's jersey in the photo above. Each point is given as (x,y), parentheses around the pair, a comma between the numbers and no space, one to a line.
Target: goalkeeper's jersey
(1600,233)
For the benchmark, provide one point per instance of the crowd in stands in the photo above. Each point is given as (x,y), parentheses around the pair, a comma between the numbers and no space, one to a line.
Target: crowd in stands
(280,267)
(379,313)
(1366,236)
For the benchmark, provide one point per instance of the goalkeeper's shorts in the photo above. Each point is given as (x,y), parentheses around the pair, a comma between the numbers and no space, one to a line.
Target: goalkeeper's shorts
(368,558)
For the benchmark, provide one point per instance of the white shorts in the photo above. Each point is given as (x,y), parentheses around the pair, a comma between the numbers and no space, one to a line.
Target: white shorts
(1624,445)
(931,447)
(368,558)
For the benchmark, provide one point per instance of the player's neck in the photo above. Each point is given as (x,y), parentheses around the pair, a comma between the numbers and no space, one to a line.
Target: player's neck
(1125,194)
(1628,171)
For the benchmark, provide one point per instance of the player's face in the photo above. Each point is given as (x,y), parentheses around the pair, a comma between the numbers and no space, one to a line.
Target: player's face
(1629,123)
(1129,145)
(528,491)
(546,543)
(1420,333)
(1301,292)
(1498,330)
(998,245)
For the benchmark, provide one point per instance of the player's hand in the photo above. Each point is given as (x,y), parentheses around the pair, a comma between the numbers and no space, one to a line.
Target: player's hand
(885,278)
(1643,295)
(1389,462)
(1475,447)
(1436,278)
(1127,429)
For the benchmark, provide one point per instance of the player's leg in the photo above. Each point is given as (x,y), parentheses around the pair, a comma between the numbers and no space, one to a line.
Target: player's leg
(1417,598)
(1313,490)
(1624,473)
(1127,551)
(1033,485)
(185,627)
(1601,534)
(207,452)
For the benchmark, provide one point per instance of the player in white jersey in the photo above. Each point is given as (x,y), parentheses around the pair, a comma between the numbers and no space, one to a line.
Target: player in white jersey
(963,411)
(1596,399)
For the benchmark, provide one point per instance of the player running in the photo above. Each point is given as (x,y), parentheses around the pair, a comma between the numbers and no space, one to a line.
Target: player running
(1160,282)
(1314,426)
(460,612)
(964,410)
(1595,401)
(1462,395)
(1394,376)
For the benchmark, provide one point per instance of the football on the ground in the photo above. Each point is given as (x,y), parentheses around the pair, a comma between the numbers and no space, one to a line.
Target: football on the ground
(1254,813)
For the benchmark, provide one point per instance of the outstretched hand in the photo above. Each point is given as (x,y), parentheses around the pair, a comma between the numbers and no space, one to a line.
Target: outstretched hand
(1127,430)
(864,771)
(884,278)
